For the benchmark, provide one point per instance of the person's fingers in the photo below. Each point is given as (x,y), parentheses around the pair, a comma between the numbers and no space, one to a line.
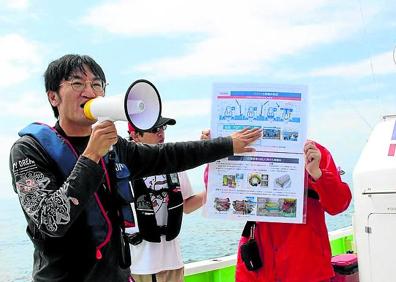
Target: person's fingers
(309,157)
(204,137)
(252,134)
(243,133)
(255,129)
(308,142)
(309,145)
(312,155)
(306,148)
(101,130)
(106,132)
(311,149)
(103,124)
(244,130)
(205,134)
(256,133)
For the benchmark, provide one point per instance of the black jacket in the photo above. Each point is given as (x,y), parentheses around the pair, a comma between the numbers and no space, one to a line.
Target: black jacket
(55,209)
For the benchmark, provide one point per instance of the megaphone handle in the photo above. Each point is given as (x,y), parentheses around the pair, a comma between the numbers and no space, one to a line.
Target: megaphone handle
(100,120)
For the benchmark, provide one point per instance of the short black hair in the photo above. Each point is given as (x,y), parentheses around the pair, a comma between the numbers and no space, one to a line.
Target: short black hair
(63,67)
(137,131)
(140,132)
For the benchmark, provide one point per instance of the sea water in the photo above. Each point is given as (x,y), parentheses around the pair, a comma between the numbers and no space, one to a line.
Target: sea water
(201,238)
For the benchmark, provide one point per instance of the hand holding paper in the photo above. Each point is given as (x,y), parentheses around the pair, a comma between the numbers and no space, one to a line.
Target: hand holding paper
(312,160)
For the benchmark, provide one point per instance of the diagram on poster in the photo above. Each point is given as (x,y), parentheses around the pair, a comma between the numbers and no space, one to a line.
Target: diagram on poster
(267,185)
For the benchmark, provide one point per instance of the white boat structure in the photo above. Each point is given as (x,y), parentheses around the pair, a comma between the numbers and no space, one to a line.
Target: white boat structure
(374,221)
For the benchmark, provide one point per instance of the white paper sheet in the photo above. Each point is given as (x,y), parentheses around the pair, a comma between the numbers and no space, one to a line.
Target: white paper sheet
(267,185)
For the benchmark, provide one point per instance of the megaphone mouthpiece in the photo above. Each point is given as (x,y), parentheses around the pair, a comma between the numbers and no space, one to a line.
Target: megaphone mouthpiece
(87,110)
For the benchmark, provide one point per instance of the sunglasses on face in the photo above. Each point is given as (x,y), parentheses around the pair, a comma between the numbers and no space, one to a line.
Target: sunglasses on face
(158,129)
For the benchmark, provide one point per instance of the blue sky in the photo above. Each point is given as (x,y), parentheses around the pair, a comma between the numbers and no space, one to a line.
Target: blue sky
(342,50)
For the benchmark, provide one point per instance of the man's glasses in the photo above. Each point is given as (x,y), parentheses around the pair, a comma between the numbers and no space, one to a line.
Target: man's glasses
(158,129)
(98,86)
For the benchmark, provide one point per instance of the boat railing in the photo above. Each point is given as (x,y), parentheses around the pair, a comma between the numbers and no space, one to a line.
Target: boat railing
(341,241)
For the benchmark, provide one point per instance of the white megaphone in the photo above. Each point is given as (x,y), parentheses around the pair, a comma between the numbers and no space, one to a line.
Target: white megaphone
(141,106)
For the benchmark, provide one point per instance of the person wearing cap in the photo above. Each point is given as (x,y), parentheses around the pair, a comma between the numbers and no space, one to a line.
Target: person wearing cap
(155,135)
(159,204)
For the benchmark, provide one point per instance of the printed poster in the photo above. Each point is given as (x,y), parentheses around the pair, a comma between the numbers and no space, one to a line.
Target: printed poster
(266,185)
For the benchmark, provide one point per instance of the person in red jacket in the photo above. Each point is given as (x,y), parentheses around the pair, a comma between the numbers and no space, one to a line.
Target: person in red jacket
(301,252)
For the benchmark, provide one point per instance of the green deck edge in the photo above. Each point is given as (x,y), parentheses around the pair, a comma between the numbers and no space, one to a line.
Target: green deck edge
(342,245)
(338,246)
(218,275)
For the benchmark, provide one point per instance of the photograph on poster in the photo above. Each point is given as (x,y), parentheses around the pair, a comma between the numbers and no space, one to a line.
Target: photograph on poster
(290,135)
(283,181)
(271,133)
(229,181)
(276,207)
(244,206)
(222,204)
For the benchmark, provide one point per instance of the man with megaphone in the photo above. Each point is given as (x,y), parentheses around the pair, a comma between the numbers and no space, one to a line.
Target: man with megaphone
(73,192)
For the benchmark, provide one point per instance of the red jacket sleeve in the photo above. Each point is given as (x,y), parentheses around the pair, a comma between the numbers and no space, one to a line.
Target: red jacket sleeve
(334,195)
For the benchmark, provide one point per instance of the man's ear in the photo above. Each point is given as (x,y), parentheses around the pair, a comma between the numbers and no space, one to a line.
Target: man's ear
(53,98)
(135,136)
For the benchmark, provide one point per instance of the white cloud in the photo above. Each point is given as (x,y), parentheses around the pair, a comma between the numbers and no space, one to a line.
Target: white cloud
(14,115)
(180,109)
(16,4)
(344,126)
(19,59)
(379,64)
(5,179)
(238,36)
(248,51)
(177,16)
(192,116)
(27,107)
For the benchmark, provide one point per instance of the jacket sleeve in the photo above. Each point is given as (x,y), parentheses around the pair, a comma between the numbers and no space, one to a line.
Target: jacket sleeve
(49,202)
(334,195)
(145,160)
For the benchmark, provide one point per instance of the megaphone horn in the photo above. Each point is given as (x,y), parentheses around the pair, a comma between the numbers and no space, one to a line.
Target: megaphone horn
(141,106)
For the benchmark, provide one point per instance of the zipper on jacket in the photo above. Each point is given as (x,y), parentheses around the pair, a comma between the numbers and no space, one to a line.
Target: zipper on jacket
(175,206)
